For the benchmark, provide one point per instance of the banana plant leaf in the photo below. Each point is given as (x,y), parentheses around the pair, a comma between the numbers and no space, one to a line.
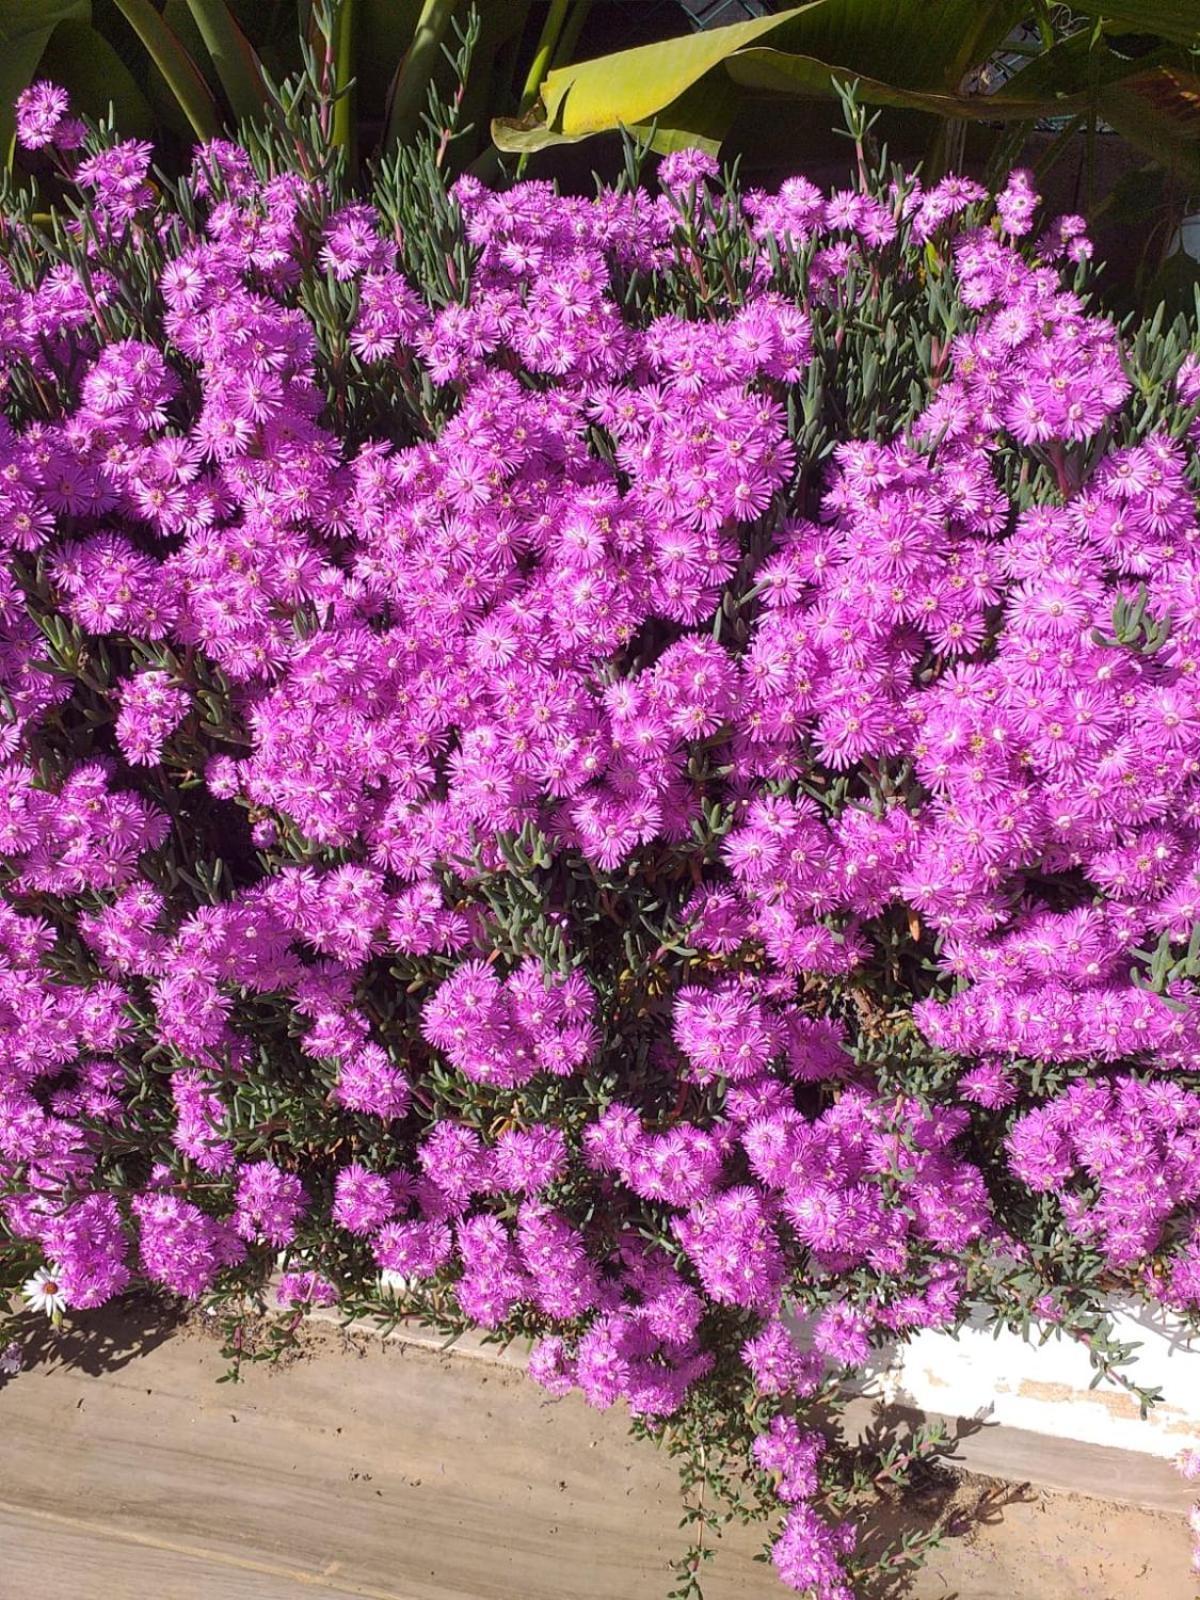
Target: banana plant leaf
(699,119)
(1178,20)
(634,86)
(1153,100)
(1157,109)
(803,75)
(908,44)
(903,55)
(911,44)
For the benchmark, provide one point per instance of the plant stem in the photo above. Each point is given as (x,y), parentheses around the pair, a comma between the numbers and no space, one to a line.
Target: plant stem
(565,52)
(412,79)
(183,77)
(342,45)
(551,28)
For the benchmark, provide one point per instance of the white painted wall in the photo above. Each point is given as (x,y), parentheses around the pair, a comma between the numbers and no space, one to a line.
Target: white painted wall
(1046,1389)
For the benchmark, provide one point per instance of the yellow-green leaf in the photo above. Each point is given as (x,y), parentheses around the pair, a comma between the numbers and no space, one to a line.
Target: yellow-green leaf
(925,45)
(699,119)
(633,86)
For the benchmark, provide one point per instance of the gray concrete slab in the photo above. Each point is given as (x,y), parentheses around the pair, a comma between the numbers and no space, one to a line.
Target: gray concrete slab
(389,1472)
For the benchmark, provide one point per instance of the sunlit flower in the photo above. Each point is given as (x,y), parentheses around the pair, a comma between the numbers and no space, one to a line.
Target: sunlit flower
(44,1291)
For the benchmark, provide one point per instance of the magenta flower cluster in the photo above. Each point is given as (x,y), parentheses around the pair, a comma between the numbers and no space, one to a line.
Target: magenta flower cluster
(602,623)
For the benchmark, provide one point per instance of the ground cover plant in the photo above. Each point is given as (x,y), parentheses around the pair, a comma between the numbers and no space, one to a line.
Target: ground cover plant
(622,771)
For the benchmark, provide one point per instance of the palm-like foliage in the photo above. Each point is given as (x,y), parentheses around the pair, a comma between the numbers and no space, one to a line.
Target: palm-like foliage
(1130,64)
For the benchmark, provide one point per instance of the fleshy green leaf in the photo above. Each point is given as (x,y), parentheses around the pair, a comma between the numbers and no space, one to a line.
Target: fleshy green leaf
(493,85)
(415,71)
(343,74)
(383,31)
(1178,20)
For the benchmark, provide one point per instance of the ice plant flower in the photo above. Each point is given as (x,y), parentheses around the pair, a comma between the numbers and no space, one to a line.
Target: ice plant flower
(619,770)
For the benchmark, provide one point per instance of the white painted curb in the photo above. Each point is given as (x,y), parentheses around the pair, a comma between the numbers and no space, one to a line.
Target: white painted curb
(1029,1413)
(1046,1389)
(996,1378)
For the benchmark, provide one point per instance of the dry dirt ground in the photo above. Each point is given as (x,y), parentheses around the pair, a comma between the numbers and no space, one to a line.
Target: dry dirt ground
(127,1472)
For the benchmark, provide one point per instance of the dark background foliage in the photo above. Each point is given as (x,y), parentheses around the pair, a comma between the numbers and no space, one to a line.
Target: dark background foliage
(1102,101)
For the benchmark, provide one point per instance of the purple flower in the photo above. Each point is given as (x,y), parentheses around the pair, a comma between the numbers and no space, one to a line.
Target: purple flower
(363,1200)
(368,1082)
(305,1288)
(41,115)
(180,1246)
(501,784)
(841,1334)
(152,707)
(778,1365)
(808,1555)
(790,1453)
(683,168)
(269,1203)
(412,1249)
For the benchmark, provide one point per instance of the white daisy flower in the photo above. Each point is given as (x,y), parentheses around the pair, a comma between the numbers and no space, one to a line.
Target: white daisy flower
(44,1290)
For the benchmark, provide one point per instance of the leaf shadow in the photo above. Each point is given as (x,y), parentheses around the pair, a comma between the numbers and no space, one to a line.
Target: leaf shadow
(96,1342)
(939,1502)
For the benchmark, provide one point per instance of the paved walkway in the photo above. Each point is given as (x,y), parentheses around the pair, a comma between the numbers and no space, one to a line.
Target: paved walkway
(391,1473)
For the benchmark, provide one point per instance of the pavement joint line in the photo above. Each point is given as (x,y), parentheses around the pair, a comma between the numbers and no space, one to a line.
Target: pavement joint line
(422,1337)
